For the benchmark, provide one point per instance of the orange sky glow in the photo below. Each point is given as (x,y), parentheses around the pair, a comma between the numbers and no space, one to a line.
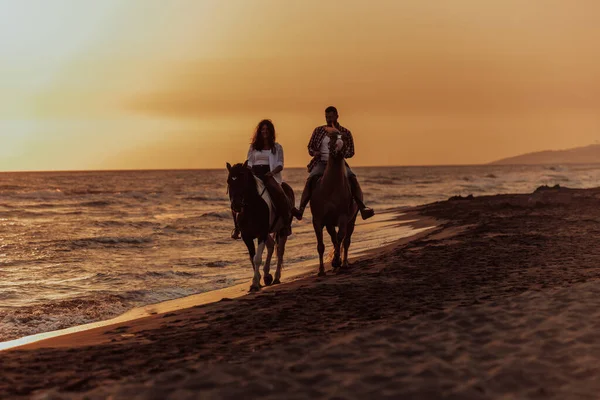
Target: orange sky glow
(151,84)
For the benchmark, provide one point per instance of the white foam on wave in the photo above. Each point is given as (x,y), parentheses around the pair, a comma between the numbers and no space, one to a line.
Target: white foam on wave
(31,320)
(51,194)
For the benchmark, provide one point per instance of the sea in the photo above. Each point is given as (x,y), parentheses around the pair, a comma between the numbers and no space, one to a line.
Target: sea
(80,247)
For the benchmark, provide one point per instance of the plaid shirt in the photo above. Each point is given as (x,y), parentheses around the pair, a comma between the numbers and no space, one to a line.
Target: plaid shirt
(314,145)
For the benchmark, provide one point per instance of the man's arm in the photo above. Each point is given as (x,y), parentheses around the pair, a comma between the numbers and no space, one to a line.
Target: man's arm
(350,145)
(313,145)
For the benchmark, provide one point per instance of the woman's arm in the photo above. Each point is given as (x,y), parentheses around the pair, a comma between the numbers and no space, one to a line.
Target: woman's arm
(250,156)
(279,160)
(277,170)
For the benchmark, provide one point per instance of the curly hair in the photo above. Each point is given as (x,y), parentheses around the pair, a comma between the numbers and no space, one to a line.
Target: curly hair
(257,139)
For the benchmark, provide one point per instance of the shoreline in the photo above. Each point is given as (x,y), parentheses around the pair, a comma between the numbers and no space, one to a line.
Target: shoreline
(62,337)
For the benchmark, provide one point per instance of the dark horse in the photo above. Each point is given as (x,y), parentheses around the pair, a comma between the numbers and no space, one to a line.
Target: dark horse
(256,220)
(332,205)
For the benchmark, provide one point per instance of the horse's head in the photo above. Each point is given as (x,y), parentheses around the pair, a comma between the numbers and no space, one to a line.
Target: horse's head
(337,144)
(239,184)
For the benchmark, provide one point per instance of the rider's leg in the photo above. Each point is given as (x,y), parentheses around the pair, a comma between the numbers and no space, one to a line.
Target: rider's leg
(365,212)
(280,200)
(318,170)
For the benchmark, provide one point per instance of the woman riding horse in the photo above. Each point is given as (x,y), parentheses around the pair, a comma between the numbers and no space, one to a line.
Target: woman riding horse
(265,158)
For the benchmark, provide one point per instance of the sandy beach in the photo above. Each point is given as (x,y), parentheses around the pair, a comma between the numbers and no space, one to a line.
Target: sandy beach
(499,301)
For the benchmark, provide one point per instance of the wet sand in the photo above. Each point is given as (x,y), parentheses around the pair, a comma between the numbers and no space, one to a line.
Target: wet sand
(500,301)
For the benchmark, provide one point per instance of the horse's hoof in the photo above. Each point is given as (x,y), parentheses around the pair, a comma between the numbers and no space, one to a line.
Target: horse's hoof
(254,289)
(336,263)
(321,273)
(268,279)
(276,282)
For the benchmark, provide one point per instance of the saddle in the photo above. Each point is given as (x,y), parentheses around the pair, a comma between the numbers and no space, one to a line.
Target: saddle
(275,223)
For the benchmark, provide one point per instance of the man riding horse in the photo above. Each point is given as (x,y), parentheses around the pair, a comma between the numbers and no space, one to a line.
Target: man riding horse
(318,148)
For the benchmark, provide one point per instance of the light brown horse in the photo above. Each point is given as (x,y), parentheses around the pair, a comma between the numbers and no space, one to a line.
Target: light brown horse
(332,205)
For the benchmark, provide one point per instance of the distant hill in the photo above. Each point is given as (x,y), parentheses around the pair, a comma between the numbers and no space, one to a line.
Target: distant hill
(579,155)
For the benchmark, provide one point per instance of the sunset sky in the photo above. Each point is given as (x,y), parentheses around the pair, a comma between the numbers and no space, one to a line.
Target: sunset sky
(119,84)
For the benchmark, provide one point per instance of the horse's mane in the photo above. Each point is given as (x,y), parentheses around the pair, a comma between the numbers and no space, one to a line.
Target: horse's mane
(332,144)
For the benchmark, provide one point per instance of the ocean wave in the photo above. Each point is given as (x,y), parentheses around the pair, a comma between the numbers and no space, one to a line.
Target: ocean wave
(178,274)
(557,178)
(154,296)
(51,316)
(55,194)
(399,198)
(205,198)
(380,181)
(8,294)
(133,195)
(10,187)
(103,277)
(42,205)
(25,214)
(96,203)
(427,181)
(557,168)
(125,223)
(216,264)
(164,294)
(110,241)
(479,187)
(88,191)
(29,320)
(217,214)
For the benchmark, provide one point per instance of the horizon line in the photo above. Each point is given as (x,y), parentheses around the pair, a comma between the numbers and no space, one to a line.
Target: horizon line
(219,168)
(492,164)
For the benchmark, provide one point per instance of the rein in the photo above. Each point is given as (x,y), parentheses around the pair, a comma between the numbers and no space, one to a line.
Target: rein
(263,191)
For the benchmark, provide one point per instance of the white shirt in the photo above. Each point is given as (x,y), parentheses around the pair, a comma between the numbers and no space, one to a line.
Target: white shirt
(261,157)
(275,160)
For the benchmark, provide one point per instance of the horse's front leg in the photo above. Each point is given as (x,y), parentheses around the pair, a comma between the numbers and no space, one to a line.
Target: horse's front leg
(347,241)
(258,263)
(335,262)
(341,238)
(281,241)
(268,278)
(252,252)
(320,246)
